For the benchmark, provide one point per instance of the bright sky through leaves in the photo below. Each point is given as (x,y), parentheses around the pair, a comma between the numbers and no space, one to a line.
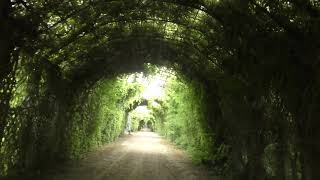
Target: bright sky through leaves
(153,85)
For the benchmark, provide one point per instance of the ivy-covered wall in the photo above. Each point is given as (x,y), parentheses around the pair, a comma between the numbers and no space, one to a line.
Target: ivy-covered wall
(50,123)
(100,115)
(180,116)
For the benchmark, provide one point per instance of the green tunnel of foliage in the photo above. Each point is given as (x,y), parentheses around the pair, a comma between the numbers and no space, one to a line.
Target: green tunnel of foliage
(99,116)
(91,119)
(251,77)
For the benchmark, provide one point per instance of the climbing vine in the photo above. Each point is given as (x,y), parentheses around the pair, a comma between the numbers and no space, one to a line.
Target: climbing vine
(100,116)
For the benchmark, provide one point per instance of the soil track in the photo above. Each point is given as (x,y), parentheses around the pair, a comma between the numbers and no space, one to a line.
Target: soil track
(139,156)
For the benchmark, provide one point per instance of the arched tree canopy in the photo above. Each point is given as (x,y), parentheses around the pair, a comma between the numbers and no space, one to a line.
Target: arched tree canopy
(252,67)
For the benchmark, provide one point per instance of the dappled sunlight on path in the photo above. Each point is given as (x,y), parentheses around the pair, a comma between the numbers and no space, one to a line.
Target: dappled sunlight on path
(147,142)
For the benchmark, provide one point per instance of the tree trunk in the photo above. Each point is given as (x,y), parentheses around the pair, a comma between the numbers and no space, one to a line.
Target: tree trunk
(294,169)
(237,164)
(312,150)
(6,41)
(255,164)
(281,149)
(281,161)
(6,66)
(309,134)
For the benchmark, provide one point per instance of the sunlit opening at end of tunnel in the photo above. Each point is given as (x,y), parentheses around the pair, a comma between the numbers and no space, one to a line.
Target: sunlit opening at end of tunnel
(153,85)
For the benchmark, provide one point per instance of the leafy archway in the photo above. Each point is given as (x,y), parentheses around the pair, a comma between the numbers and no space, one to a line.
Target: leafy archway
(255,60)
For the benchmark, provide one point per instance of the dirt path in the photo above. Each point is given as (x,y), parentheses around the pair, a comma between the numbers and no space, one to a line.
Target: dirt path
(139,156)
